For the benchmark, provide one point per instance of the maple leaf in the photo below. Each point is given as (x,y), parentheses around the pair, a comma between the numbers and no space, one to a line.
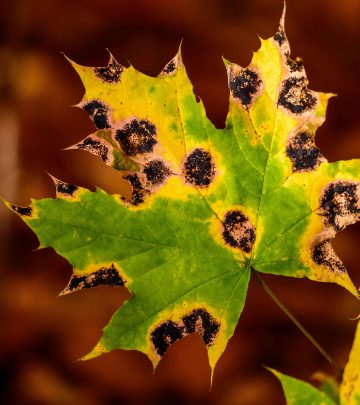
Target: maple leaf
(299,392)
(207,205)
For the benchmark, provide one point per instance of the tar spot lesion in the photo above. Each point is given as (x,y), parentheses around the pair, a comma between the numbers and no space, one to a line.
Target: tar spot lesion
(295,65)
(303,153)
(65,189)
(156,172)
(245,85)
(165,335)
(340,204)
(138,191)
(137,137)
(22,211)
(103,277)
(197,321)
(170,67)
(98,112)
(238,232)
(323,254)
(201,322)
(111,73)
(295,95)
(199,168)
(280,37)
(96,147)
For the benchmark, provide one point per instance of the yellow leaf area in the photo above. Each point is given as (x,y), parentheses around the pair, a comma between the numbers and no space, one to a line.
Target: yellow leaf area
(350,386)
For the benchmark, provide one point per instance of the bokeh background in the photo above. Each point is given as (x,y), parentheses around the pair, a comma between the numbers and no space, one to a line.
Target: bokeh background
(42,335)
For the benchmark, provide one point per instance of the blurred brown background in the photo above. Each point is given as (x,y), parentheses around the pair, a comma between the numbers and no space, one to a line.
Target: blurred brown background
(42,335)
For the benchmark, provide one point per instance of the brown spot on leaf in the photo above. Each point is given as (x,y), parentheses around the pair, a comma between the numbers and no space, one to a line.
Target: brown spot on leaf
(199,168)
(65,189)
(340,205)
(238,232)
(295,65)
(138,136)
(95,146)
(98,112)
(201,322)
(197,321)
(280,37)
(323,254)
(165,335)
(138,191)
(23,211)
(102,277)
(244,85)
(156,172)
(111,73)
(295,96)
(303,153)
(170,67)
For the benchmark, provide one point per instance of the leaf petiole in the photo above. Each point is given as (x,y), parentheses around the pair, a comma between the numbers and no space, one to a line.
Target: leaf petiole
(290,315)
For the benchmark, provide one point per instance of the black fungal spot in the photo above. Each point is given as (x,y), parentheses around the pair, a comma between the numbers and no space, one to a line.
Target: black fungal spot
(244,85)
(303,153)
(65,188)
(156,172)
(200,321)
(339,204)
(238,232)
(98,112)
(138,192)
(295,96)
(279,37)
(102,277)
(165,335)
(26,211)
(137,137)
(111,73)
(323,254)
(170,67)
(199,168)
(96,147)
(295,65)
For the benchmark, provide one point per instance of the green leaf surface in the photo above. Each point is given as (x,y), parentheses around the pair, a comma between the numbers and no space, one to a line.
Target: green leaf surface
(207,204)
(298,392)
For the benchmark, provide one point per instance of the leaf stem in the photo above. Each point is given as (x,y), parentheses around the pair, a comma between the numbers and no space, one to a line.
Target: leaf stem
(289,314)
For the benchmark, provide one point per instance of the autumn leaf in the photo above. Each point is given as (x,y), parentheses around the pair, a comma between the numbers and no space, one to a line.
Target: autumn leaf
(207,205)
(298,392)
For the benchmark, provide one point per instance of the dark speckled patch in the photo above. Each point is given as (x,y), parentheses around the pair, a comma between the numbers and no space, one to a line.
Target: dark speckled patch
(339,204)
(198,321)
(201,322)
(199,168)
(244,85)
(96,147)
(323,254)
(137,137)
(295,96)
(111,73)
(98,112)
(65,189)
(23,211)
(138,191)
(102,277)
(156,172)
(238,232)
(170,67)
(280,37)
(165,335)
(304,154)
